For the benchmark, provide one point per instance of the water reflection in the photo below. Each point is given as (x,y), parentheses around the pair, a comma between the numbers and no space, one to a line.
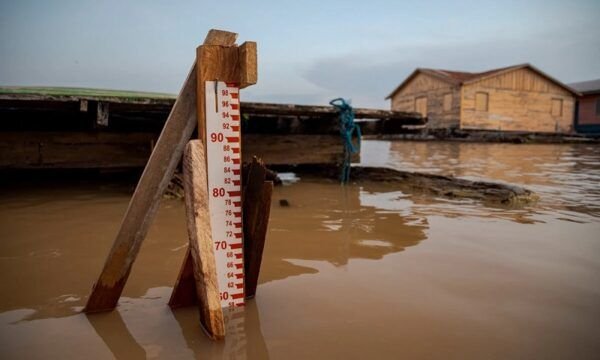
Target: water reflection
(139,328)
(113,331)
(566,175)
(335,224)
(244,339)
(162,333)
(487,270)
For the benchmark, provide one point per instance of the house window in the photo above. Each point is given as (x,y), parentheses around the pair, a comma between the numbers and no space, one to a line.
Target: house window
(557,107)
(421,105)
(447,102)
(481,101)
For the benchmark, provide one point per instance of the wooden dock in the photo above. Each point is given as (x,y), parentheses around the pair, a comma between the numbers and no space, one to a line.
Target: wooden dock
(87,128)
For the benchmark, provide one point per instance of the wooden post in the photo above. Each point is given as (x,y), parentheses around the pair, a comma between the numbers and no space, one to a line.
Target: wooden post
(257,207)
(204,271)
(227,63)
(145,200)
(230,65)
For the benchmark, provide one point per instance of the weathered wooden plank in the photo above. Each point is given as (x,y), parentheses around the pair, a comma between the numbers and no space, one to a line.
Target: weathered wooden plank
(121,150)
(195,180)
(515,110)
(248,65)
(295,149)
(252,108)
(184,291)
(222,63)
(438,94)
(220,38)
(256,207)
(146,198)
(40,149)
(158,172)
(218,63)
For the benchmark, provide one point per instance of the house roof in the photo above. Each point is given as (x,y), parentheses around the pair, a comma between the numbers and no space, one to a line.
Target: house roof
(587,87)
(461,77)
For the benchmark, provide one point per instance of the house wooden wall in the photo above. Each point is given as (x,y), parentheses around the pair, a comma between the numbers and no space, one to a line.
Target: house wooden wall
(519,100)
(412,98)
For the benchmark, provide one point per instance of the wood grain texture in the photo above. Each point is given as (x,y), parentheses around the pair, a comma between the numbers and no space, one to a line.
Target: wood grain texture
(220,37)
(328,112)
(248,67)
(195,180)
(74,149)
(146,198)
(441,111)
(524,105)
(295,149)
(256,207)
(517,100)
(184,291)
(215,63)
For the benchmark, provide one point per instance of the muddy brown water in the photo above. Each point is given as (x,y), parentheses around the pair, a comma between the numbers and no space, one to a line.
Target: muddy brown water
(362,271)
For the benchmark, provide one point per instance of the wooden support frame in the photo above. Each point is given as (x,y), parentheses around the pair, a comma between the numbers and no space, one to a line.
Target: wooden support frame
(227,63)
(144,203)
(256,207)
(218,59)
(145,200)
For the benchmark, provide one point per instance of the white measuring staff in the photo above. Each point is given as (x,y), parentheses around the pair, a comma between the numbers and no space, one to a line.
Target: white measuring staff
(224,163)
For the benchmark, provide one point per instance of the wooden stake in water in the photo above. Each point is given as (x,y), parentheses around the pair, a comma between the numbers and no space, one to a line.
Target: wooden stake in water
(214,283)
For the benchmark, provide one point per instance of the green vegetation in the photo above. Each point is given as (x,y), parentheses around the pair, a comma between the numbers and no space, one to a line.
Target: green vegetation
(83,92)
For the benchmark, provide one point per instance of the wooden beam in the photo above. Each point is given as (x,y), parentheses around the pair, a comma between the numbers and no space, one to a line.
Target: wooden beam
(131,150)
(411,118)
(146,198)
(295,149)
(201,245)
(71,149)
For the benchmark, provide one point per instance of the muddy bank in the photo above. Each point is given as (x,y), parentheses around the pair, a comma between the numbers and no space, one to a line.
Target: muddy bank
(438,185)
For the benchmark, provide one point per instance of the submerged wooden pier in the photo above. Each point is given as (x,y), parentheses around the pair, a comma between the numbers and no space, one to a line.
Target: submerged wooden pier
(86,128)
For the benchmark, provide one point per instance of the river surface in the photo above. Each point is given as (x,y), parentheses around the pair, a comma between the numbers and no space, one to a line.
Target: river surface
(359,272)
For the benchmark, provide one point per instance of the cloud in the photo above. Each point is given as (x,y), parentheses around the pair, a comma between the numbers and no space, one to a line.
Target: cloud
(368,77)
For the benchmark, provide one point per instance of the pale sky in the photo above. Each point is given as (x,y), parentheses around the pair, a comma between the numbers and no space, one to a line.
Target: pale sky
(309,51)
